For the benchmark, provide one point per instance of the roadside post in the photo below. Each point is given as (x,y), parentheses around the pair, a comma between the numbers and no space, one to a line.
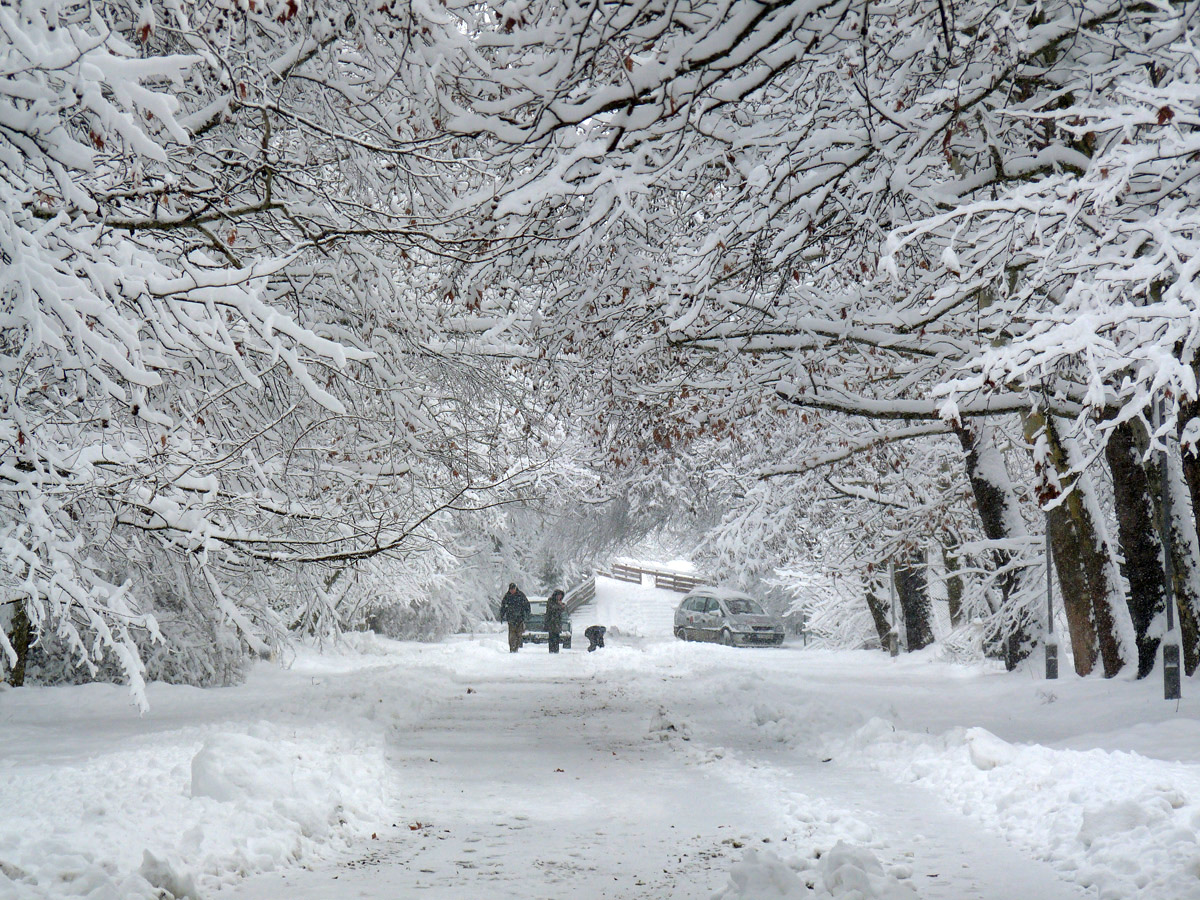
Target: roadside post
(1170,641)
(1051,640)
(893,635)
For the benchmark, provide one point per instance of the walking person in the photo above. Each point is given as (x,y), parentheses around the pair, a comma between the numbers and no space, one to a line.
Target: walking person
(514,609)
(555,607)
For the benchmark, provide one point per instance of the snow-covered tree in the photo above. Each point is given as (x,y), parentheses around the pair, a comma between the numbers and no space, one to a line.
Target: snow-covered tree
(867,202)
(232,333)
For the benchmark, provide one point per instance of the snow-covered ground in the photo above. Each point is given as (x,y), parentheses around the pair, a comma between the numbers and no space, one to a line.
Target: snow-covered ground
(650,769)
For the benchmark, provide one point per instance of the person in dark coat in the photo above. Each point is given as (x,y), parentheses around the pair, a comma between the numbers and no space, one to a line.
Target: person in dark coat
(555,607)
(514,609)
(595,636)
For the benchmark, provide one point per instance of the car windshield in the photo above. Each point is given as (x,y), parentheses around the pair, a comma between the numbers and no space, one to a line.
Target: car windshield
(537,607)
(742,606)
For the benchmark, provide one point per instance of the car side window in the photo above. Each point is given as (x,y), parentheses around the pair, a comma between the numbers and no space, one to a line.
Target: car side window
(713,606)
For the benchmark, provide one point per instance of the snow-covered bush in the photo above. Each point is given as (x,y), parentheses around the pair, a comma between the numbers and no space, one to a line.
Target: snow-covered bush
(422,620)
(186,650)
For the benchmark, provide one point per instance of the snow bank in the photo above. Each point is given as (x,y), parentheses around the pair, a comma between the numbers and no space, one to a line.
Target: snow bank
(846,872)
(1114,821)
(803,723)
(664,727)
(185,811)
(763,876)
(290,791)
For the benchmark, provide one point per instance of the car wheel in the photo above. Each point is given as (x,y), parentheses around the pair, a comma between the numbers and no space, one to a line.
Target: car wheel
(680,634)
(727,638)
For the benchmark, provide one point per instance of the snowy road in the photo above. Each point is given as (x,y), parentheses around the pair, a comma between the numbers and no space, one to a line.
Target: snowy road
(631,774)
(537,786)
(550,777)
(651,769)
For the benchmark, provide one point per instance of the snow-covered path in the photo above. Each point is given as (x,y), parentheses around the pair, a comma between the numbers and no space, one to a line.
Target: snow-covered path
(688,770)
(554,777)
(538,785)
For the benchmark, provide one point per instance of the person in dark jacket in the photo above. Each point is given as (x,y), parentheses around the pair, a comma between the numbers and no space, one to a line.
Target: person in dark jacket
(595,636)
(555,607)
(514,609)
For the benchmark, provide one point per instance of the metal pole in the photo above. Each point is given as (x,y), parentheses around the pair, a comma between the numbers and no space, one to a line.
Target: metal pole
(1170,643)
(1051,640)
(893,635)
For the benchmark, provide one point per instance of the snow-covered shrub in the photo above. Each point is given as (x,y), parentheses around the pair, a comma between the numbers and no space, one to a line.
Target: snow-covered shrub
(422,620)
(834,610)
(195,651)
(425,600)
(188,649)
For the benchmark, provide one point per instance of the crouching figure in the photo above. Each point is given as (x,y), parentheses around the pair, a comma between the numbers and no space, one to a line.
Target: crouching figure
(595,636)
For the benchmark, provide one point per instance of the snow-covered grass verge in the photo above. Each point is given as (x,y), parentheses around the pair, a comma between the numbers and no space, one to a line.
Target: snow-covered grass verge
(185,811)
(1117,822)
(208,787)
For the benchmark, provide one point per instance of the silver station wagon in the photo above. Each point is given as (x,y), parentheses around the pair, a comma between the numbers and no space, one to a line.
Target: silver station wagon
(726,617)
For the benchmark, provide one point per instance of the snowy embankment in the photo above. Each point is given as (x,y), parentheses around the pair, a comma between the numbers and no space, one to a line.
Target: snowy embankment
(653,768)
(1100,779)
(1114,821)
(207,787)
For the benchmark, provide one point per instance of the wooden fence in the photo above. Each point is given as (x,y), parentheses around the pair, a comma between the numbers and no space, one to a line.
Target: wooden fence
(671,581)
(580,594)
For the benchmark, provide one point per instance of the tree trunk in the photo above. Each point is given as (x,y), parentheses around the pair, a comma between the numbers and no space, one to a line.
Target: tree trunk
(1139,540)
(1189,602)
(20,637)
(913,592)
(1087,571)
(1188,411)
(954,586)
(1191,474)
(1185,552)
(879,612)
(1000,516)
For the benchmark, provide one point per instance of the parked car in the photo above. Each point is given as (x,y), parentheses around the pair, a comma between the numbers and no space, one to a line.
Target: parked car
(535,625)
(726,617)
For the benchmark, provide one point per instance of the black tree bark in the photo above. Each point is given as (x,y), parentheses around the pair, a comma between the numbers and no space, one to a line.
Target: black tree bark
(1081,556)
(954,586)
(879,612)
(912,590)
(1189,606)
(1189,410)
(1185,550)
(20,637)
(1138,535)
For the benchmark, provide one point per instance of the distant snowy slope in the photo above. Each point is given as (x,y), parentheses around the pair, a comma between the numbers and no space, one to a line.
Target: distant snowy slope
(631,609)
